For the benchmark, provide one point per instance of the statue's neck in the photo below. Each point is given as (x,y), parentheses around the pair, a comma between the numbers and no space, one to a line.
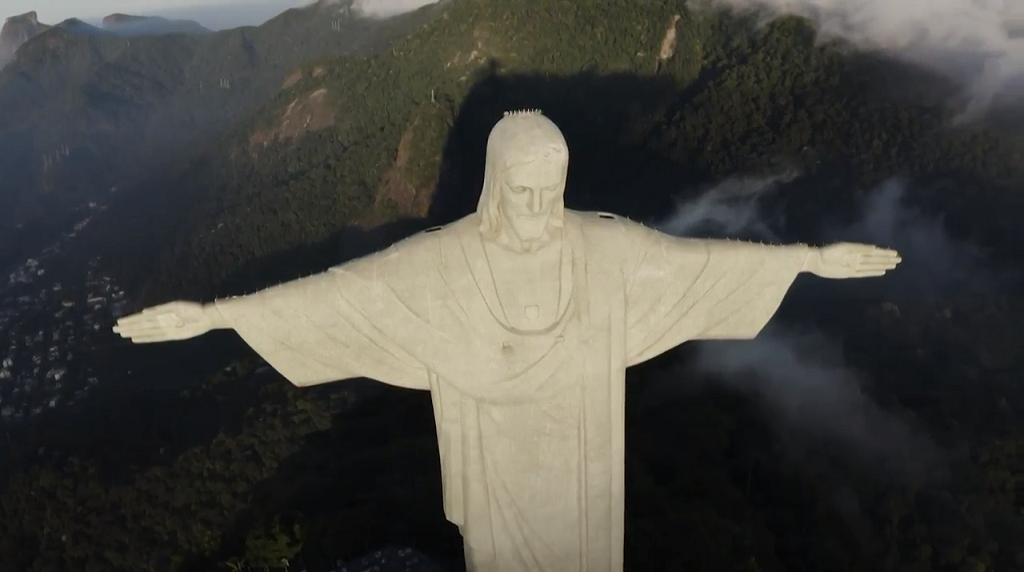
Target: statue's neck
(519,255)
(509,240)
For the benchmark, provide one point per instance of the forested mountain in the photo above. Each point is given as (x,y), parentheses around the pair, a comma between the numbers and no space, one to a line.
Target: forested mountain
(658,100)
(704,102)
(85,109)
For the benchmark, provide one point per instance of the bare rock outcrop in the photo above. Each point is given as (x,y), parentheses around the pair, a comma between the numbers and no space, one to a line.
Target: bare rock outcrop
(128,25)
(16,31)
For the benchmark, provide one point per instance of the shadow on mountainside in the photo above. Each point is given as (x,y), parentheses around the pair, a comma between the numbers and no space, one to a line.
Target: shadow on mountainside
(605,120)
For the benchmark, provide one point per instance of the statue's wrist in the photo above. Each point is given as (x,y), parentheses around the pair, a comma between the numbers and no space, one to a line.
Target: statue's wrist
(812,260)
(214,316)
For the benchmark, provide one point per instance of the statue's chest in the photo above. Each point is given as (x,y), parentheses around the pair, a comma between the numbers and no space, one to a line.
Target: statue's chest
(529,293)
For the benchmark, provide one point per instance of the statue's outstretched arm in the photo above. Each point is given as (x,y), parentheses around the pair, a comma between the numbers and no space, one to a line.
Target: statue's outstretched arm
(682,289)
(173,321)
(840,260)
(308,329)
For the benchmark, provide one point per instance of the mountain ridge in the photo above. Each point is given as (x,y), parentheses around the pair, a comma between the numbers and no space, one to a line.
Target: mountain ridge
(16,31)
(83,113)
(397,178)
(128,25)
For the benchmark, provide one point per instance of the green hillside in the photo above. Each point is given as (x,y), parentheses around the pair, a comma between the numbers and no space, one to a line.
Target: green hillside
(355,143)
(726,101)
(83,110)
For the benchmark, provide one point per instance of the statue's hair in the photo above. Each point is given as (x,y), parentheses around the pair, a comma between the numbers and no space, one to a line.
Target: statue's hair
(519,138)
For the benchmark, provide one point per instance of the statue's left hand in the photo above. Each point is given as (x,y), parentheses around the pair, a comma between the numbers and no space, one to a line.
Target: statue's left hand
(167,322)
(851,260)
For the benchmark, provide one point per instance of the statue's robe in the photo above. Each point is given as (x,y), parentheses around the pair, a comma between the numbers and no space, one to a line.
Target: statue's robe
(530,424)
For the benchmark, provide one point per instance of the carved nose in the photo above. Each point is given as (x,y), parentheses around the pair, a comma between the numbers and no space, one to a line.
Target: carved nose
(535,201)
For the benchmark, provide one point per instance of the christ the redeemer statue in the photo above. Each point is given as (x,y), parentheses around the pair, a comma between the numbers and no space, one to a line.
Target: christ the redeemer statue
(520,319)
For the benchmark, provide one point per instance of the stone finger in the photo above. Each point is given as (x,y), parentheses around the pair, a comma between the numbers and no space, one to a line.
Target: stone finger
(141,330)
(869,273)
(876,256)
(133,319)
(150,339)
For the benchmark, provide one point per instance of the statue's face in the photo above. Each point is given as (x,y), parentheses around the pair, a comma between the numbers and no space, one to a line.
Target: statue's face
(529,194)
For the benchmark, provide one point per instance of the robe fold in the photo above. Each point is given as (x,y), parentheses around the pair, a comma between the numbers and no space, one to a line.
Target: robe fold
(530,424)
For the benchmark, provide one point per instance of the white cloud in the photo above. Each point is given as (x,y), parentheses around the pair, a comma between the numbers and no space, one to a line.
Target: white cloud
(388,8)
(729,209)
(801,378)
(380,8)
(799,374)
(977,42)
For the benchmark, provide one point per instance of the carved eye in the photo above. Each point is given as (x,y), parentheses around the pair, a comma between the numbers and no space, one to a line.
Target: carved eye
(519,190)
(433,229)
(606,216)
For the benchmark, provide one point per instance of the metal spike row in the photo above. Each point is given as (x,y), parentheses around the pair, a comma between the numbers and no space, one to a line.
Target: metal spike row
(518,112)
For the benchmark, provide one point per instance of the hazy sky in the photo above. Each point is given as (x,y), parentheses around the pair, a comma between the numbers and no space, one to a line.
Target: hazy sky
(214,14)
(54,11)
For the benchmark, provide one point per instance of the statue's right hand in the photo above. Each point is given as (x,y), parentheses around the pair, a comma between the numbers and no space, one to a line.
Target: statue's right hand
(166,322)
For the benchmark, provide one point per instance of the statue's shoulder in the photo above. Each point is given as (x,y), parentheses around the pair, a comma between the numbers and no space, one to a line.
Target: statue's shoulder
(416,250)
(592,216)
(437,236)
(606,224)
(426,245)
(464,224)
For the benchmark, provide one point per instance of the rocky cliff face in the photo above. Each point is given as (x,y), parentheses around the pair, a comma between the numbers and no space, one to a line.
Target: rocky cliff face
(16,31)
(120,19)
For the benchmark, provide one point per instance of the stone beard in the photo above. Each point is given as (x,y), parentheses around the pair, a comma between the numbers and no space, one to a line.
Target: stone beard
(520,319)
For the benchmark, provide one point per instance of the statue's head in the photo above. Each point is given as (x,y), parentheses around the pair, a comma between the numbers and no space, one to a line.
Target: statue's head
(524,178)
